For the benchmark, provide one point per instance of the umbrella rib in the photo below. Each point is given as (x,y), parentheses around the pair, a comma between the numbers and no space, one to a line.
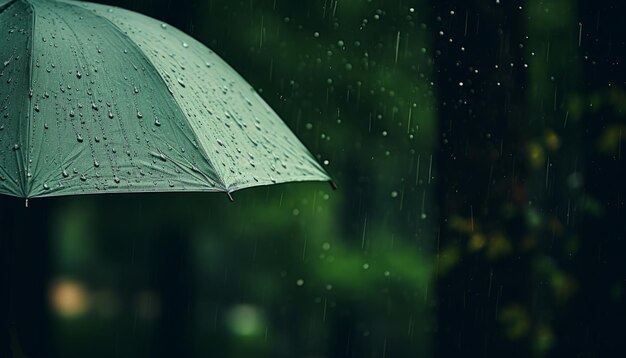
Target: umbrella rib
(26,155)
(204,151)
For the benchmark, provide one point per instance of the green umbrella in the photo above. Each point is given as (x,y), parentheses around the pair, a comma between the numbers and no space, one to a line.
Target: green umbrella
(95,99)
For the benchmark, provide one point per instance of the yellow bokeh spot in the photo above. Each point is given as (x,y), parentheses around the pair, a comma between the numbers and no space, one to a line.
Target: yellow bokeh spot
(552,140)
(476,242)
(611,138)
(69,298)
(536,155)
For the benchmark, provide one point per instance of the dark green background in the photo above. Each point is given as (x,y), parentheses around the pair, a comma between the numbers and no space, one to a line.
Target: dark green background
(477,146)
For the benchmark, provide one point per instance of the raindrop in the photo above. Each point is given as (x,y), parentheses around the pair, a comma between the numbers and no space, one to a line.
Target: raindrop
(78,74)
(139,115)
(164,26)
(180,82)
(157,122)
(65,174)
(185,45)
(300,282)
(83,177)
(37,107)
(116,179)
(16,146)
(110,114)
(46,187)
(79,138)
(94,106)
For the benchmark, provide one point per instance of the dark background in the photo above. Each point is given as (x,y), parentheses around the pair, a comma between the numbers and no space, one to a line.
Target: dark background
(478,150)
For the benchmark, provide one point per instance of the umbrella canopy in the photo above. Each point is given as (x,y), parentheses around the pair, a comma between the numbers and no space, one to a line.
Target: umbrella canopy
(95,99)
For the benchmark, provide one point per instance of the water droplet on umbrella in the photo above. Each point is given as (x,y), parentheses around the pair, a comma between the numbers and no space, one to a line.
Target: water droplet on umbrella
(94,106)
(65,174)
(164,26)
(78,74)
(46,187)
(110,114)
(139,115)
(116,179)
(16,146)
(83,177)
(180,82)
(79,138)
(37,107)
(30,93)
(136,90)
(185,45)
(96,163)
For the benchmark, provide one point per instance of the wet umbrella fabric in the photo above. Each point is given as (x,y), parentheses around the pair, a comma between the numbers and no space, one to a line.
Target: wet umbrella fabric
(95,99)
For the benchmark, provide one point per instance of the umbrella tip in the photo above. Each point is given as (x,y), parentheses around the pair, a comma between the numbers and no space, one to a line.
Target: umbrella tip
(333,184)
(230,197)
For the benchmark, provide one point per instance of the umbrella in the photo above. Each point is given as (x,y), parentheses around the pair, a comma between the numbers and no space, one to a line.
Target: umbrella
(95,99)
